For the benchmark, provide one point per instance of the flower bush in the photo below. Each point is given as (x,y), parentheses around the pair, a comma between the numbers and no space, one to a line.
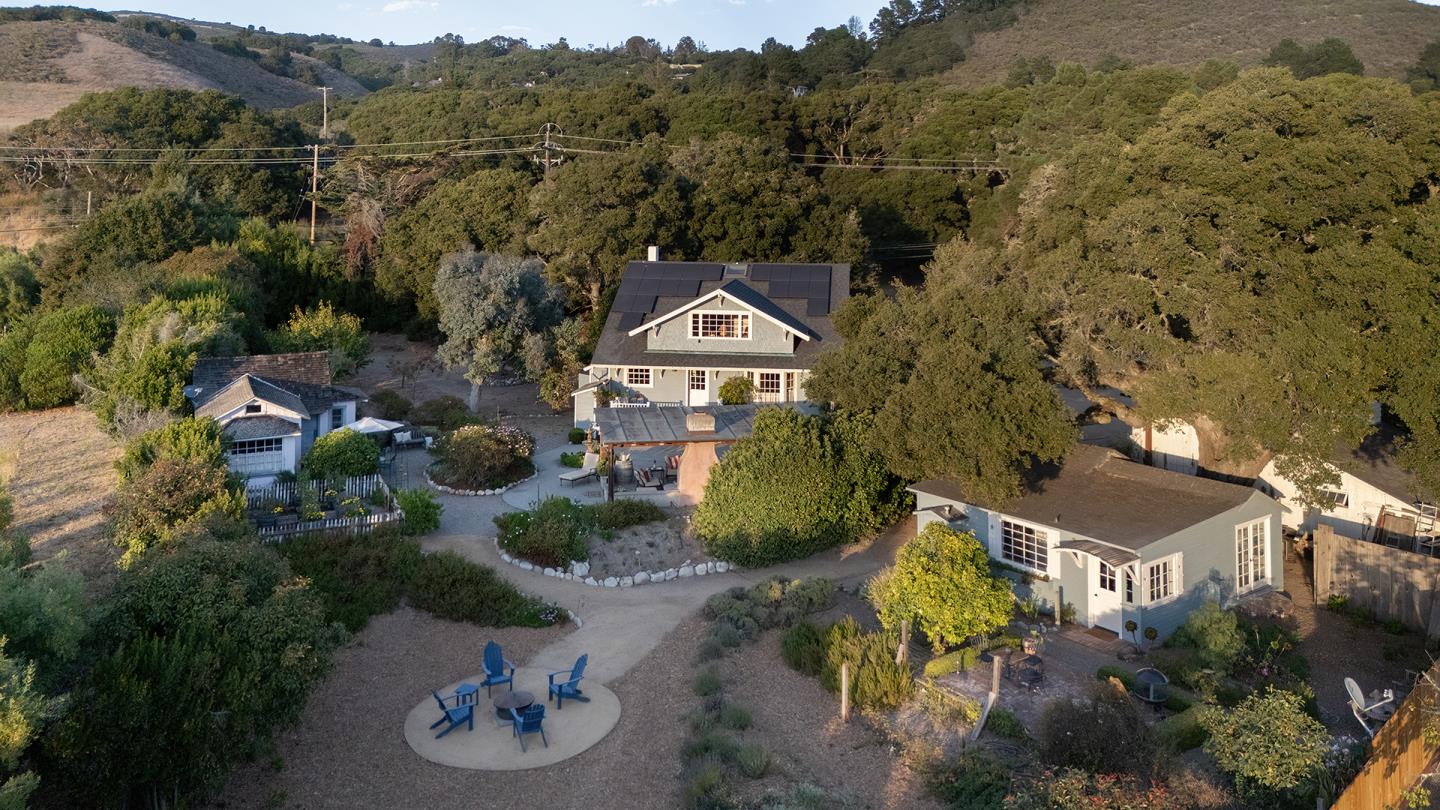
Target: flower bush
(483,457)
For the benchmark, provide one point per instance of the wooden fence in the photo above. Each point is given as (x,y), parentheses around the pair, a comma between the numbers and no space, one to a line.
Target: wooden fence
(1390,583)
(288,492)
(1399,754)
(351,525)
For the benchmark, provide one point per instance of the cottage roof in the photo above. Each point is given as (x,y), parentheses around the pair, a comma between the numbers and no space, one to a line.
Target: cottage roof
(303,375)
(1099,493)
(1374,462)
(260,427)
(247,389)
(801,297)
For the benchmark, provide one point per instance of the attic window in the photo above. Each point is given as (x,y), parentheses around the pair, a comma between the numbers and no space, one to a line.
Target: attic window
(1334,498)
(253,407)
(725,325)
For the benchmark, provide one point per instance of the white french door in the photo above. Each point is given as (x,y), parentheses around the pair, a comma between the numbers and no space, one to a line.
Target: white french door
(1104,595)
(697,387)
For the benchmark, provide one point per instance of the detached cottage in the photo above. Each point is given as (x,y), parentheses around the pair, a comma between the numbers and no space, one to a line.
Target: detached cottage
(678,330)
(272,407)
(1123,541)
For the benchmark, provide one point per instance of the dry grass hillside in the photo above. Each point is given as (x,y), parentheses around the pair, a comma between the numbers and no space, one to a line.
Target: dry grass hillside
(45,66)
(1387,35)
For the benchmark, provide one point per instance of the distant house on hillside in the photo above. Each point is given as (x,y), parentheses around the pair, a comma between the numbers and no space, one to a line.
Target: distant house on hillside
(1120,540)
(272,407)
(678,330)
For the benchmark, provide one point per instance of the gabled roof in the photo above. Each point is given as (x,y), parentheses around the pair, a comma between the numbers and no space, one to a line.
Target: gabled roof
(1101,494)
(260,427)
(1374,462)
(746,296)
(800,297)
(249,388)
(305,375)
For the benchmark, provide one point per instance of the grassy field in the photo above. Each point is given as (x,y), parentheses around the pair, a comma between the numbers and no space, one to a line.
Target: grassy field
(59,466)
(1387,35)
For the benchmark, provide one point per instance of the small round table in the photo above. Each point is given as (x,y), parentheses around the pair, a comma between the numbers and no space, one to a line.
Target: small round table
(517,700)
(466,693)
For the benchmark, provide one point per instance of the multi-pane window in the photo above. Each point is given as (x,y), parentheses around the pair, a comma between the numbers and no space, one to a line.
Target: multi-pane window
(1334,499)
(253,446)
(1107,576)
(637,377)
(768,388)
(697,379)
(1024,545)
(1161,580)
(337,417)
(1249,555)
(253,407)
(1129,588)
(732,325)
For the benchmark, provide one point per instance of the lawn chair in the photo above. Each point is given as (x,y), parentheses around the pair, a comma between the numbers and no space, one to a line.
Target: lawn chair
(455,715)
(570,687)
(530,721)
(672,468)
(648,478)
(1367,710)
(496,665)
(590,466)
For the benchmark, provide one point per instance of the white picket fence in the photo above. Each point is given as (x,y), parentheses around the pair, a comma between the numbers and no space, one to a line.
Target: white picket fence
(351,525)
(288,492)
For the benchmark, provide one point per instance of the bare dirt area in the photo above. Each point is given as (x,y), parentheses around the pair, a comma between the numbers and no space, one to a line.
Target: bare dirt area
(648,547)
(60,467)
(409,367)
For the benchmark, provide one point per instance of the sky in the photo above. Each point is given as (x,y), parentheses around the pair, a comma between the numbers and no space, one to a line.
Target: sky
(719,24)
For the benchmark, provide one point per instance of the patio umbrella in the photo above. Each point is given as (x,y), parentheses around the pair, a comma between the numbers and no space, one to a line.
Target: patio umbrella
(372,425)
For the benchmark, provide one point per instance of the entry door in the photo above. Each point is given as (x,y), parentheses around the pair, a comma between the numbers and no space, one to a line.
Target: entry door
(698,386)
(1104,595)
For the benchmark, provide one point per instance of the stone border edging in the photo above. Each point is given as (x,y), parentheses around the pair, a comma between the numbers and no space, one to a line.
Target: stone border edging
(476,492)
(579,572)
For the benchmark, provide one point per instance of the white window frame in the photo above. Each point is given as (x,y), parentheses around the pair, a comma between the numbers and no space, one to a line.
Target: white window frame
(1252,572)
(775,394)
(1040,536)
(1107,573)
(253,408)
(253,447)
(1334,499)
(744,325)
(649,377)
(1128,585)
(337,417)
(1174,580)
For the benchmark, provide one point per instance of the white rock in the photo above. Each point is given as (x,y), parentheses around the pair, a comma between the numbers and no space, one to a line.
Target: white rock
(612,582)
(591,581)
(709,568)
(701,570)
(626,582)
(671,573)
(506,557)
(580,569)
(549,572)
(687,571)
(722,567)
(642,577)
(526,566)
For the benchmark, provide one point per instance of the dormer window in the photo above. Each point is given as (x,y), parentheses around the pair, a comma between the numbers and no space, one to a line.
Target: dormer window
(723,325)
(253,407)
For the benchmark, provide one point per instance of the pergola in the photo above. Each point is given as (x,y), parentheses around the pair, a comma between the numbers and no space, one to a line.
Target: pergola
(700,430)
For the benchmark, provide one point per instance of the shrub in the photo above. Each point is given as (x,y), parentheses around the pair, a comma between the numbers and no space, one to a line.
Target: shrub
(1181,732)
(1073,789)
(24,709)
(737,391)
(483,457)
(734,718)
(941,580)
(973,781)
(422,510)
(1267,742)
(43,354)
(551,536)
(626,512)
(572,460)
(355,576)
(446,413)
(1214,635)
(454,588)
(149,510)
(713,745)
(1121,674)
(391,405)
(342,453)
(707,683)
(198,439)
(711,649)
(1101,733)
(1003,723)
(951,662)
(949,710)
(797,485)
(752,759)
(322,329)
(877,682)
(42,616)
(576,435)
(803,648)
(772,603)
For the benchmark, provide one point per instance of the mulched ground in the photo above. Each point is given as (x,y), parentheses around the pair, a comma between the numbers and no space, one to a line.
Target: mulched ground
(648,547)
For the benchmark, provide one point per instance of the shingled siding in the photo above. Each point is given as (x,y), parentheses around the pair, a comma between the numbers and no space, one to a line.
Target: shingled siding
(766,337)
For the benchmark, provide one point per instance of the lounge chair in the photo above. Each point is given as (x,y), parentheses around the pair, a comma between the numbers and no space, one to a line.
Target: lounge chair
(530,721)
(1366,710)
(454,715)
(570,686)
(672,467)
(497,668)
(590,466)
(648,478)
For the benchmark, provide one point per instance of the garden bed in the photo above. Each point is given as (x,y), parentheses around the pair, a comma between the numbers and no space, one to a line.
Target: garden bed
(647,547)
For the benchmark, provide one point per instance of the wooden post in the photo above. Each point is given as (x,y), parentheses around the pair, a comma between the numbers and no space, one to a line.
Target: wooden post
(903,651)
(1059,603)
(845,691)
(994,675)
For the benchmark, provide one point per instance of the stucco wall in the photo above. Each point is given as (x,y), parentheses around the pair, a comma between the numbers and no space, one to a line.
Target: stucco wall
(766,337)
(1352,521)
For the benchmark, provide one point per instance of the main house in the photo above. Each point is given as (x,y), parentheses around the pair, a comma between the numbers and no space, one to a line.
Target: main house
(272,407)
(1122,541)
(678,330)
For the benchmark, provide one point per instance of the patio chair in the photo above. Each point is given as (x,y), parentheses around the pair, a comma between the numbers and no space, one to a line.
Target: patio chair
(570,687)
(1367,710)
(648,478)
(672,467)
(454,715)
(531,721)
(496,665)
(589,467)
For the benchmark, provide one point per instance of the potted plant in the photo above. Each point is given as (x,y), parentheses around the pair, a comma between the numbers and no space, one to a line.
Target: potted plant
(1030,644)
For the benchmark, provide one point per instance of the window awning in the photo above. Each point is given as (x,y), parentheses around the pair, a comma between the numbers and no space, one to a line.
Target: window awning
(1116,557)
(948,513)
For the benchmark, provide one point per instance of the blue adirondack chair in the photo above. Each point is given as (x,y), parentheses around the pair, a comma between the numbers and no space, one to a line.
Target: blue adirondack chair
(498,669)
(454,715)
(528,722)
(569,687)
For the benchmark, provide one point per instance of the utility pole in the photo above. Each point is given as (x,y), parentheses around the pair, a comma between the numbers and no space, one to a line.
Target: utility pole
(314,185)
(325,113)
(88,195)
(549,147)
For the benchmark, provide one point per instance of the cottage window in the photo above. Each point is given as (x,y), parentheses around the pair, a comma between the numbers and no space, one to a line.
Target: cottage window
(1129,587)
(1250,562)
(253,446)
(638,377)
(1334,499)
(1024,545)
(1162,580)
(337,417)
(253,407)
(769,387)
(728,325)
(1107,576)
